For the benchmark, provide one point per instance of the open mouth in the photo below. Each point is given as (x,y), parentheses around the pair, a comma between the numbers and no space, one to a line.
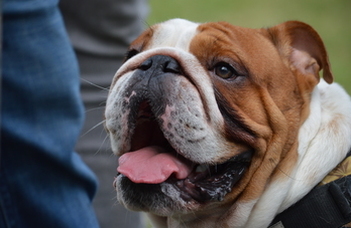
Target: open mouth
(213,183)
(154,160)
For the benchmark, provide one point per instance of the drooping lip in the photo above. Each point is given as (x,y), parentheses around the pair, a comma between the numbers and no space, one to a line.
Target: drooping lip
(205,182)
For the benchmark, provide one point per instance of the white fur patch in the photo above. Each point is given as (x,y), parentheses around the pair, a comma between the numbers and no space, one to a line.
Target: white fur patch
(176,33)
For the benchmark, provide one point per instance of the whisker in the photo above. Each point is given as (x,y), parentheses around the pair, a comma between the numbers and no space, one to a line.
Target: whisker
(102,144)
(94,109)
(95,85)
(103,103)
(97,125)
(146,24)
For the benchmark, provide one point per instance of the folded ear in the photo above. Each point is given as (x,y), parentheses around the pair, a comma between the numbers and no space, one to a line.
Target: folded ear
(301,45)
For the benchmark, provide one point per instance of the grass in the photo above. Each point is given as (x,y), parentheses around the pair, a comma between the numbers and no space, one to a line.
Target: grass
(332,20)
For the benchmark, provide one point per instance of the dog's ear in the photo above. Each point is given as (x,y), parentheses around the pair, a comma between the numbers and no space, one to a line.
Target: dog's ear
(301,45)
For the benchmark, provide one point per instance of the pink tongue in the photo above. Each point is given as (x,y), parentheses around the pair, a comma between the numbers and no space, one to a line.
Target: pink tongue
(151,165)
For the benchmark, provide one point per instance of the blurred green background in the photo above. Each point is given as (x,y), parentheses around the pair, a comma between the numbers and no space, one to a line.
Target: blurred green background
(331,19)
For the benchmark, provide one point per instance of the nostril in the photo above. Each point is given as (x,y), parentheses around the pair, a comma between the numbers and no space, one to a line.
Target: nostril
(172,66)
(146,64)
(161,64)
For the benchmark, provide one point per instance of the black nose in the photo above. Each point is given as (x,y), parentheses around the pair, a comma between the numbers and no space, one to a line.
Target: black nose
(161,64)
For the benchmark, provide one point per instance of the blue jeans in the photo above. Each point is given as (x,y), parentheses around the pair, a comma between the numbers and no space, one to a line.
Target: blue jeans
(43,183)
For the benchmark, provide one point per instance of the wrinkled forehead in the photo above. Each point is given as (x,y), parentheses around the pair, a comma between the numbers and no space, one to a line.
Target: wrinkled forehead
(180,34)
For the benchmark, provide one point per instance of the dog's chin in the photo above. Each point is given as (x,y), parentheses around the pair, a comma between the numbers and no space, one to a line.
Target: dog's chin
(204,185)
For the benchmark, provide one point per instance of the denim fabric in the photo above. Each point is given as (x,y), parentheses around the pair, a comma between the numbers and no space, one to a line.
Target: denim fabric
(43,183)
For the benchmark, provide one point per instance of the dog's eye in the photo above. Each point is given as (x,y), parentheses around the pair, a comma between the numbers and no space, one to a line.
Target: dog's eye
(131,53)
(224,70)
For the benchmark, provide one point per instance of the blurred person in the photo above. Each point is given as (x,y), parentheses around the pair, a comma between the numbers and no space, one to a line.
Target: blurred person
(43,183)
(101,31)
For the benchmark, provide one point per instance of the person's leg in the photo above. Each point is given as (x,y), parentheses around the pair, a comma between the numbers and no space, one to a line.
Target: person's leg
(101,41)
(43,183)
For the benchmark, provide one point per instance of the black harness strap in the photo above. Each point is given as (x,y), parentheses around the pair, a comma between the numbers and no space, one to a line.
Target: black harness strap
(327,206)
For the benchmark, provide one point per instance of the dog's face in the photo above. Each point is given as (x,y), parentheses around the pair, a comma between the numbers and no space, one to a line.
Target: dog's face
(203,115)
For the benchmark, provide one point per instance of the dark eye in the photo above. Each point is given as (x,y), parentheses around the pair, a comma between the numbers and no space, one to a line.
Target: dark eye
(131,53)
(224,70)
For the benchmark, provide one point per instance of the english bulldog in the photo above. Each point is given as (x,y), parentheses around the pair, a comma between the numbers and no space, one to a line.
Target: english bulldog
(223,126)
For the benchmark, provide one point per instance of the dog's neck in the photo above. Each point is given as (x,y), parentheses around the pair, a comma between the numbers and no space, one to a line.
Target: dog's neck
(334,121)
(335,125)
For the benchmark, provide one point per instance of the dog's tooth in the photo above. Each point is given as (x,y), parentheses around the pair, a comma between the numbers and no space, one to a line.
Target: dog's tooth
(201,168)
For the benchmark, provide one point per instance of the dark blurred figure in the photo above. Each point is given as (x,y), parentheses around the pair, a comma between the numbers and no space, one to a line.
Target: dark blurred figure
(100,31)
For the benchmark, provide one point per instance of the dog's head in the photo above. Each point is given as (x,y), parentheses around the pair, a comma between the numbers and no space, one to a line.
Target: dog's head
(205,115)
